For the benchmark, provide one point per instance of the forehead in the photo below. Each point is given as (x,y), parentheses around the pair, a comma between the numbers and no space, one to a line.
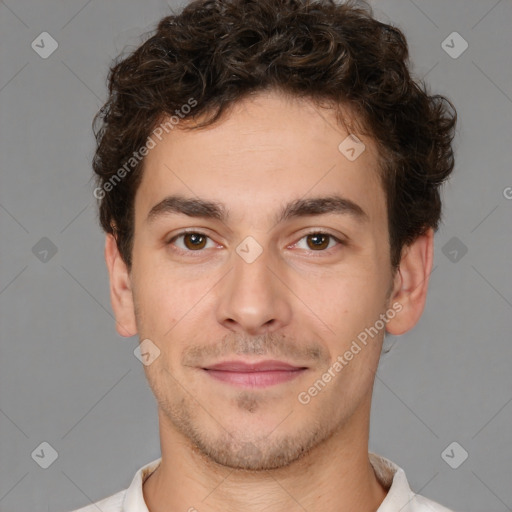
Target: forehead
(268,150)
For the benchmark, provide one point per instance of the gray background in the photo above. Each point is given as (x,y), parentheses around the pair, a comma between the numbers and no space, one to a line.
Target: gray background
(66,377)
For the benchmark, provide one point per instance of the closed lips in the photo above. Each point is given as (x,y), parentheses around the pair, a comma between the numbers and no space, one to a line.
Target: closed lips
(263,366)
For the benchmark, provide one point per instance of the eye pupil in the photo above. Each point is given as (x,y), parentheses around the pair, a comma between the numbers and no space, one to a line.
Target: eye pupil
(197,240)
(319,240)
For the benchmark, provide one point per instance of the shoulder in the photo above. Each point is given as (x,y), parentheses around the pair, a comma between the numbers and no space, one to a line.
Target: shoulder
(131,499)
(421,504)
(400,496)
(113,503)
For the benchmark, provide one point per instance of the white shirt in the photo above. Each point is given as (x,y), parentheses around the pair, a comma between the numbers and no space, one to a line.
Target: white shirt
(400,498)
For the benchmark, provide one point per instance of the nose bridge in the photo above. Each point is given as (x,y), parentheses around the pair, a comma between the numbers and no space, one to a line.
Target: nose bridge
(251,298)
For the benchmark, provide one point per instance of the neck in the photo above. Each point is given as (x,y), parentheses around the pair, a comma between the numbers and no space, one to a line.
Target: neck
(334,476)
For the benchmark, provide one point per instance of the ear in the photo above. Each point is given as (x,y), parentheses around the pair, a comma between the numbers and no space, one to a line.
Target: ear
(411,283)
(120,289)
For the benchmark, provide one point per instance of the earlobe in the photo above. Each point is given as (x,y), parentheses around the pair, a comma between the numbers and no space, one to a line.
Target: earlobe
(121,295)
(411,283)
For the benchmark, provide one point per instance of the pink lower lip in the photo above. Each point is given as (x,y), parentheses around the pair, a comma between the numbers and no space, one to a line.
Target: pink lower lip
(255,379)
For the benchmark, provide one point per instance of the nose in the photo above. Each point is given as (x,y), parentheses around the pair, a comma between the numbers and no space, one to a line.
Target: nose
(252,299)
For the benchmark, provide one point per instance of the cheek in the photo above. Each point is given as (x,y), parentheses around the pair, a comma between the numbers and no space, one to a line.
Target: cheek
(346,301)
(350,308)
(167,300)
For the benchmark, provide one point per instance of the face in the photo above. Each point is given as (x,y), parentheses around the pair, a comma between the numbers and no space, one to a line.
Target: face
(284,264)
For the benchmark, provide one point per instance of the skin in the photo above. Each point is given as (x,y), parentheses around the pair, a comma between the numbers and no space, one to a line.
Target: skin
(227,448)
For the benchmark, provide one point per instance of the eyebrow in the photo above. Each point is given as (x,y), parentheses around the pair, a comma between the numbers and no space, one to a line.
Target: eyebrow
(195,207)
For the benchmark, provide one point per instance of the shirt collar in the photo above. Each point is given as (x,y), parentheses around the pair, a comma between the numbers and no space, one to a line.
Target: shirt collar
(134,498)
(399,496)
(388,473)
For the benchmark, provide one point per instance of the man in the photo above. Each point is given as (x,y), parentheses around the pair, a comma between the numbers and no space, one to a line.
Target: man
(268,175)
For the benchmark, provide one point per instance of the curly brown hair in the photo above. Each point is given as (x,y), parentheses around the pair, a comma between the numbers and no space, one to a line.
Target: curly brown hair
(216,52)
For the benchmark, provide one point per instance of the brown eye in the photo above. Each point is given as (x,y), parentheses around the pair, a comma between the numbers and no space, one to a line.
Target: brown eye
(318,241)
(194,241)
(191,241)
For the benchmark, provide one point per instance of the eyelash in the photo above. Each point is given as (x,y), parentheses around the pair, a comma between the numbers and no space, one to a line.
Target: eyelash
(200,233)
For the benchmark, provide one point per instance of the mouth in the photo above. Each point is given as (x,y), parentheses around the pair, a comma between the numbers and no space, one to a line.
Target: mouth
(254,375)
